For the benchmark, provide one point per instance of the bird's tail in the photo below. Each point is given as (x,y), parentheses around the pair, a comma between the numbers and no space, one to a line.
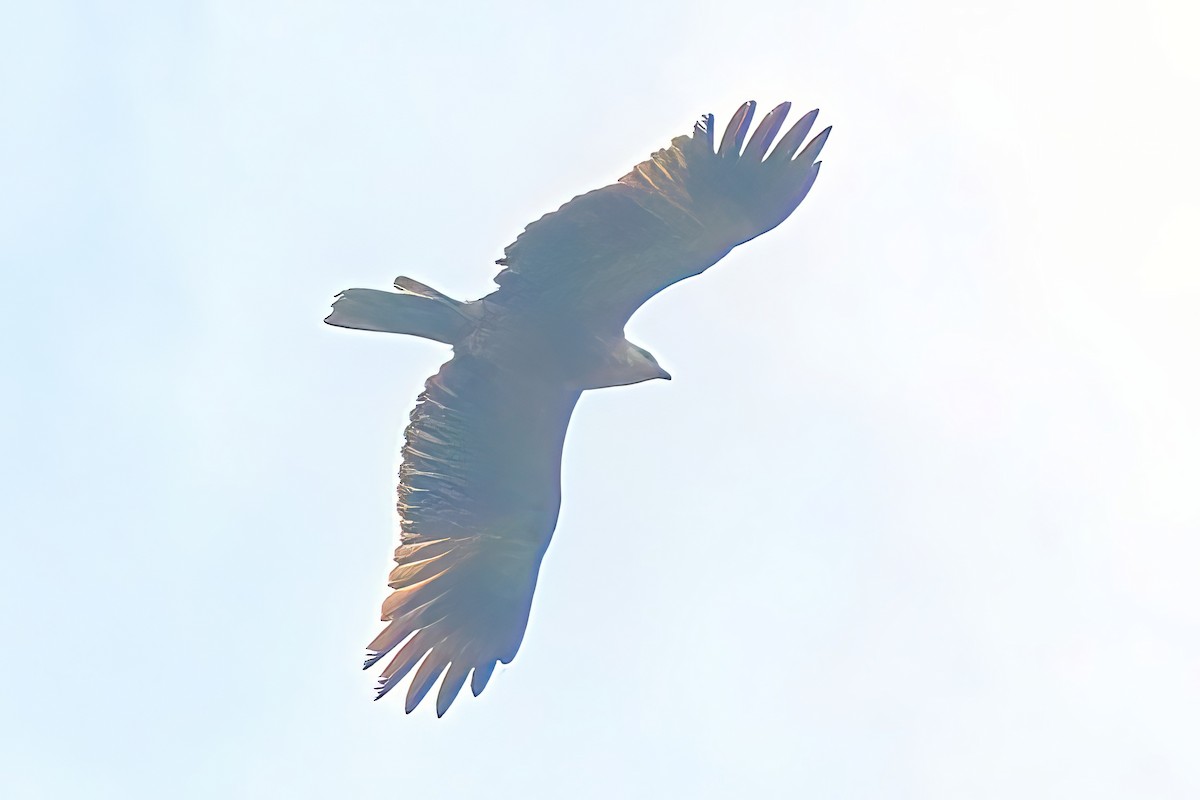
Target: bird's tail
(414,309)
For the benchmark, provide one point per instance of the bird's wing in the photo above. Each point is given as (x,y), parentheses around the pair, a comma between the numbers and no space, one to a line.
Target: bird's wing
(479,498)
(608,251)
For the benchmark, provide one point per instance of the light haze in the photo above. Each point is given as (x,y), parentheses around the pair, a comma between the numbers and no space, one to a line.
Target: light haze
(916,518)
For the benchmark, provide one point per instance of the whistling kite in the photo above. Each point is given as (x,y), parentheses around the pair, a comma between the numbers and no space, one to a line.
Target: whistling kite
(479,481)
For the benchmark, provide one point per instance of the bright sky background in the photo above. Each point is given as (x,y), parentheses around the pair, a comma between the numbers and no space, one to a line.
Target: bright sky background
(917,518)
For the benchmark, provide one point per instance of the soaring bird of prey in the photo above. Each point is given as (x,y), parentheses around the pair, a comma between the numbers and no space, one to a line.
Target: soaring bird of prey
(479,480)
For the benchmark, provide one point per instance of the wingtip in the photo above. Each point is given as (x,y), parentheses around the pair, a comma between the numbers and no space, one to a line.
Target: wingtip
(735,131)
(813,148)
(480,677)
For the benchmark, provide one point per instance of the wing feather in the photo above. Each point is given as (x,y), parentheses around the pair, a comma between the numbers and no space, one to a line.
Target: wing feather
(452,683)
(478,501)
(606,252)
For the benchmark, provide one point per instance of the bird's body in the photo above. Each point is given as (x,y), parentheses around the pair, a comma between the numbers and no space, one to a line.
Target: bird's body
(479,481)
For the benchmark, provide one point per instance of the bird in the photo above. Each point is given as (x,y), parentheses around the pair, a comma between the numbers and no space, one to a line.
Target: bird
(479,489)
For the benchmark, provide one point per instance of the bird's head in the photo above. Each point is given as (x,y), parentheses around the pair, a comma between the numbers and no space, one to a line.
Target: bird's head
(625,363)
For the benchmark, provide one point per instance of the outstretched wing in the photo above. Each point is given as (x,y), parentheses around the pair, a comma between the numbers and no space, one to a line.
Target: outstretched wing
(479,498)
(608,251)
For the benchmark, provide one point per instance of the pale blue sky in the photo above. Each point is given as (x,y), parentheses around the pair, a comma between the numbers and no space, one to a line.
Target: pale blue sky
(917,517)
